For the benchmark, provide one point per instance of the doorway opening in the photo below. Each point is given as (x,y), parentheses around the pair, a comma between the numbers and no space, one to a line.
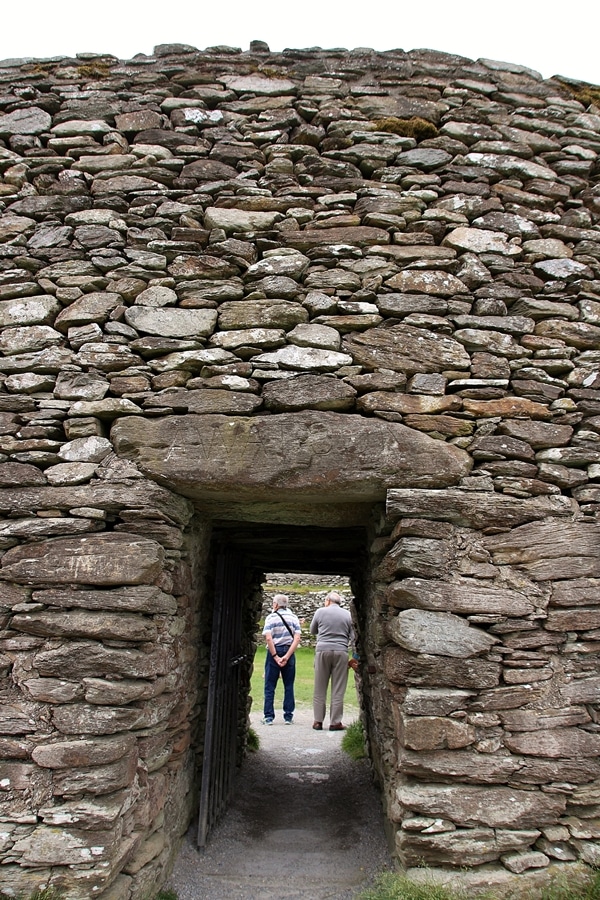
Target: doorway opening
(306,592)
(242,554)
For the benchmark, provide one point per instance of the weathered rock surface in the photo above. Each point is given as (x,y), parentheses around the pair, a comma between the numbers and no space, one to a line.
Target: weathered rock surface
(105,559)
(195,323)
(536,547)
(466,596)
(312,456)
(438,634)
(116,626)
(404,667)
(475,509)
(308,392)
(404,348)
(473,846)
(473,806)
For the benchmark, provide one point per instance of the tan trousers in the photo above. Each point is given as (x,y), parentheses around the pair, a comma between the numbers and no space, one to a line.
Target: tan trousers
(330,665)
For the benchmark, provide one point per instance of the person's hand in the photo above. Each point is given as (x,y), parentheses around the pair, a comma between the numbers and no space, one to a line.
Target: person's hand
(353,664)
(281,661)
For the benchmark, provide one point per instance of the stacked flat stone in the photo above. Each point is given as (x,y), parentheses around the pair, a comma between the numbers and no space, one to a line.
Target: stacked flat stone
(358,242)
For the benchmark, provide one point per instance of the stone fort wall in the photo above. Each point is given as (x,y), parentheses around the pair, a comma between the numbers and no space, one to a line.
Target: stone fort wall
(381,245)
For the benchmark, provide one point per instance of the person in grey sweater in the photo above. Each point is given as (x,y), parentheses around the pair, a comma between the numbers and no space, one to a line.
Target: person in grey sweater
(333,628)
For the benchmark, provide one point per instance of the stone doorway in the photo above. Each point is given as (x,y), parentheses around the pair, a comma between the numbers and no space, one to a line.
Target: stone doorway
(259,547)
(342,555)
(472,705)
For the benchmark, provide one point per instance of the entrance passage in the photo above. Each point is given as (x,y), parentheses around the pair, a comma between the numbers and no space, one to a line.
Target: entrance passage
(304,823)
(242,554)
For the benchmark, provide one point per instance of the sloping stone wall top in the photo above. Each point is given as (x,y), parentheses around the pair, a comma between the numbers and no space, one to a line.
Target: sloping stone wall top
(407,236)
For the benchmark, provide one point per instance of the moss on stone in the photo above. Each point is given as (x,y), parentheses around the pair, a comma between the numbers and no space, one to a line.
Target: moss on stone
(415,127)
(587,94)
(94,70)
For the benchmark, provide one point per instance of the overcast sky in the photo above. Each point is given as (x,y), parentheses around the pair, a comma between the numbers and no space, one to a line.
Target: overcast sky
(553,38)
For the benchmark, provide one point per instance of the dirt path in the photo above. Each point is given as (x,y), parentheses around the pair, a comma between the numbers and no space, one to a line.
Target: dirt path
(305,822)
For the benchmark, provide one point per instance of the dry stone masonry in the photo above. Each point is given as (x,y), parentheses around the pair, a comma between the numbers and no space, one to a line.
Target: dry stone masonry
(315,289)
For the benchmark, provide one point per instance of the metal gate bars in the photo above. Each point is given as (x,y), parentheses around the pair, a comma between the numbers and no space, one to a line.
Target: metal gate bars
(221,734)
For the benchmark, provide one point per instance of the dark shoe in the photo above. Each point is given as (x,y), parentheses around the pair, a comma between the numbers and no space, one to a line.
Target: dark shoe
(317,726)
(338,727)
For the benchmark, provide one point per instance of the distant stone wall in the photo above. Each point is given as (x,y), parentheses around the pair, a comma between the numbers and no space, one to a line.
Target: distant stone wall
(305,604)
(301,284)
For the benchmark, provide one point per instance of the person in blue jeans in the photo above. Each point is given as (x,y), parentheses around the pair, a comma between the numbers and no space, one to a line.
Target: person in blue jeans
(282,634)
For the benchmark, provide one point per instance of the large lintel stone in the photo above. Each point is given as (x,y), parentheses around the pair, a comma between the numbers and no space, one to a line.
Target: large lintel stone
(317,456)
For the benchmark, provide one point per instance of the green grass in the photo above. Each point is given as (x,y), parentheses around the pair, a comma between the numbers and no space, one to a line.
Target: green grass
(353,741)
(562,888)
(392,886)
(303,685)
(252,741)
(166,895)
(395,886)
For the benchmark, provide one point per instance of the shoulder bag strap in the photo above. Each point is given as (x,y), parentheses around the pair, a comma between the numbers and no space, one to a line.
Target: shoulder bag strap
(285,623)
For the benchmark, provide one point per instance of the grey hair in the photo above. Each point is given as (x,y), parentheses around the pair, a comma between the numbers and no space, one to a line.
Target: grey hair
(334,597)
(281,599)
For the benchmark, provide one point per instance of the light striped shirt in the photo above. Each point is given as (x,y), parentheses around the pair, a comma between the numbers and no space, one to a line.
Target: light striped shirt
(277,629)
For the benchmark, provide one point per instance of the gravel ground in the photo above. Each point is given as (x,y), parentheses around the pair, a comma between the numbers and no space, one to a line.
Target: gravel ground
(305,822)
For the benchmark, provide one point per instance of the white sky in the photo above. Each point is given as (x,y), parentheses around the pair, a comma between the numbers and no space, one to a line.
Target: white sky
(553,38)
